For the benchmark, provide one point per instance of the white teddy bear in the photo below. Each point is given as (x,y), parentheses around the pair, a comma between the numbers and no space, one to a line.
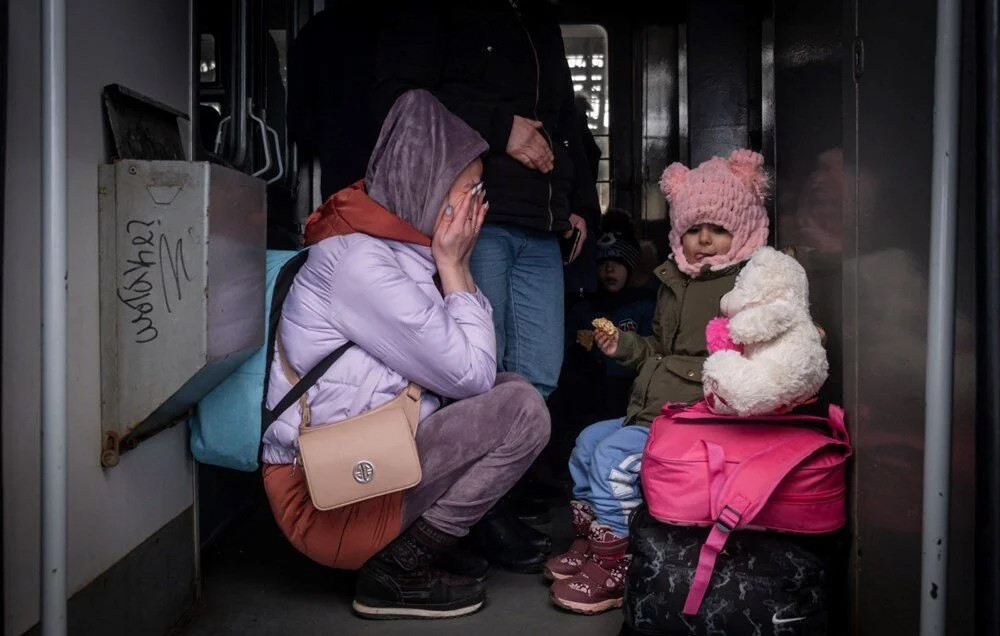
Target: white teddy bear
(778,360)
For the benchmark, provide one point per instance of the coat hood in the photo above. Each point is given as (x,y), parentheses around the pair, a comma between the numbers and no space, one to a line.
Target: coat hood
(420,152)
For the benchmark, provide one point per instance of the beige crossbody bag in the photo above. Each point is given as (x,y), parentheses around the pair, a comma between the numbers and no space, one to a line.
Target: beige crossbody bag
(365,456)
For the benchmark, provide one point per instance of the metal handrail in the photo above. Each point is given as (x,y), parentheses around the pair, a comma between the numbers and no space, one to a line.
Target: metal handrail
(240,116)
(54,271)
(941,323)
(278,151)
(264,141)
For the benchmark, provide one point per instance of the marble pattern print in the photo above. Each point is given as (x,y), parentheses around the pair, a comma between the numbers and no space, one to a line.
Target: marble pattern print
(764,584)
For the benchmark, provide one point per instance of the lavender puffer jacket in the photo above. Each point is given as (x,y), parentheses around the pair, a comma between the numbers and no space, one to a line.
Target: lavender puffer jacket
(379,294)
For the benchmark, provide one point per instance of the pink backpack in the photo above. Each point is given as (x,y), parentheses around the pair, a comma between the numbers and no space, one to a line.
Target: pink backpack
(776,472)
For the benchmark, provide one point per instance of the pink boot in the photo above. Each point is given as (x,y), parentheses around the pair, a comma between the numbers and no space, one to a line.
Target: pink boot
(600,584)
(569,562)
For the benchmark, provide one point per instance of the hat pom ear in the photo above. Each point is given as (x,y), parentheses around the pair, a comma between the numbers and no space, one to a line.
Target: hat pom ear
(673,178)
(748,166)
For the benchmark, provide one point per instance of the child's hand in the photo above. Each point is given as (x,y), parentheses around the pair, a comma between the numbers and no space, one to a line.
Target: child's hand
(608,344)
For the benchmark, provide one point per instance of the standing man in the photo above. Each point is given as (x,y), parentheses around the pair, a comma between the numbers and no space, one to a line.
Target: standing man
(500,65)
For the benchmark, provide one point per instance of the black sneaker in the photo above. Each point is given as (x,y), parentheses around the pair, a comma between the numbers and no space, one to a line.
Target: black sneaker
(462,562)
(425,593)
(399,582)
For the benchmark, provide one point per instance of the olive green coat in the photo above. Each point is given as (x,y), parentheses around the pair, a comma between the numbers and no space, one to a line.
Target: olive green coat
(669,362)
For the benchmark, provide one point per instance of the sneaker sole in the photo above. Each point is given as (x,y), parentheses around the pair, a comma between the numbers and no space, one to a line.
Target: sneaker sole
(588,608)
(387,613)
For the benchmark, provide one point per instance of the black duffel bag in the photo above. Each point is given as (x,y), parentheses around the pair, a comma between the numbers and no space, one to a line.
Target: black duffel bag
(764,583)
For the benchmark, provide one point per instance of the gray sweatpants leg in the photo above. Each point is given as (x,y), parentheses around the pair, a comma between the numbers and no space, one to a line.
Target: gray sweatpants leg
(473,451)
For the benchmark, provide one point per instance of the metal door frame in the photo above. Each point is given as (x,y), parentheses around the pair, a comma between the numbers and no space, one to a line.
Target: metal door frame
(3,172)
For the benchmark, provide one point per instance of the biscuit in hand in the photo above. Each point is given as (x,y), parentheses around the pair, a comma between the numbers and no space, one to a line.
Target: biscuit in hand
(605,326)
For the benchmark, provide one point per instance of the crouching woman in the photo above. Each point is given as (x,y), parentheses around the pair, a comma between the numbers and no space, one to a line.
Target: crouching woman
(394,280)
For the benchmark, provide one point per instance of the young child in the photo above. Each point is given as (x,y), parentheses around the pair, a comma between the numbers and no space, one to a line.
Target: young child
(631,310)
(591,385)
(717,220)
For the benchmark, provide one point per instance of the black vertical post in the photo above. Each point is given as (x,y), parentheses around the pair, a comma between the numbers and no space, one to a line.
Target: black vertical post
(718,88)
(3,173)
(988,326)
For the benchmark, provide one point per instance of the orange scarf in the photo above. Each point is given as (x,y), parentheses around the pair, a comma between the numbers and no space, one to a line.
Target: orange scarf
(352,210)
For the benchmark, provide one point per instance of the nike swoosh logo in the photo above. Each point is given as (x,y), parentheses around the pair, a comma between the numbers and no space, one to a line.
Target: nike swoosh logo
(784,621)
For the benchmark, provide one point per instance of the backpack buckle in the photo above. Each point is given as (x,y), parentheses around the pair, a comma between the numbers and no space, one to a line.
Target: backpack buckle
(728,519)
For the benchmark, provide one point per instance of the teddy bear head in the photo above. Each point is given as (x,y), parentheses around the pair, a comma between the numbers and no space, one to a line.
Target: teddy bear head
(768,276)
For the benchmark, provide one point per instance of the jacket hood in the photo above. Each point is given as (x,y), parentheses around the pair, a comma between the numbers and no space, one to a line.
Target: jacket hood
(420,152)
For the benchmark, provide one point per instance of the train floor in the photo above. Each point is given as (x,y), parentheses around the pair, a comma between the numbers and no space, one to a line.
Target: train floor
(254,582)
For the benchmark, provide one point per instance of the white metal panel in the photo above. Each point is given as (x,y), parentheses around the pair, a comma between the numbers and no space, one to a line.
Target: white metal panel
(144,45)
(182,256)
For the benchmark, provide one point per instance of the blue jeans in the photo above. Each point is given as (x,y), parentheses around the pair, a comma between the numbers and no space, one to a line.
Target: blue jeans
(605,467)
(521,272)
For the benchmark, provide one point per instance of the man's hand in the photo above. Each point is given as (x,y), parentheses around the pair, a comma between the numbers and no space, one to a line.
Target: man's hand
(529,146)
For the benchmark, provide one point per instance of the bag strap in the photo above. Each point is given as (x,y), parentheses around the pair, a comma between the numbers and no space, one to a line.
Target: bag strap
(302,385)
(282,285)
(749,487)
(836,421)
(744,494)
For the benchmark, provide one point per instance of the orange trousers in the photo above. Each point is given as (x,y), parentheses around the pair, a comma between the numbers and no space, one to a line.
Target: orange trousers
(343,538)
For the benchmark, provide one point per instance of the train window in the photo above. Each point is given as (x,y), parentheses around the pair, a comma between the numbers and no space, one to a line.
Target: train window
(209,60)
(587,54)
(280,39)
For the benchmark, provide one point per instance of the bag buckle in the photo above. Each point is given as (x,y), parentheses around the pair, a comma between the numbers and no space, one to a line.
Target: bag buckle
(728,519)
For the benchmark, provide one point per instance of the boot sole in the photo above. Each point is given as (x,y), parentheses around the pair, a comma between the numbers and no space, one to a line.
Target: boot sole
(374,611)
(553,576)
(588,608)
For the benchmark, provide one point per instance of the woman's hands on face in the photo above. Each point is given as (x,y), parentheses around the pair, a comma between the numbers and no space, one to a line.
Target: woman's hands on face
(455,236)
(457,229)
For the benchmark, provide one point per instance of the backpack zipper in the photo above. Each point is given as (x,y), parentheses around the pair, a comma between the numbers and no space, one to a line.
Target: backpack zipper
(534,111)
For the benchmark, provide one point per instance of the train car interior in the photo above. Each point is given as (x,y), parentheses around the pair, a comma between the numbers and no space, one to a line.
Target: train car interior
(195,138)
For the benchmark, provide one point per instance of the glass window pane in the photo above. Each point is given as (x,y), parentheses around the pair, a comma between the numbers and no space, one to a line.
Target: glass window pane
(207,64)
(280,38)
(586,53)
(604,195)
(604,144)
(604,170)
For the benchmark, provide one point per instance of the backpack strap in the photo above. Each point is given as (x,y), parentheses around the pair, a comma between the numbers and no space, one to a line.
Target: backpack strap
(836,421)
(744,494)
(283,284)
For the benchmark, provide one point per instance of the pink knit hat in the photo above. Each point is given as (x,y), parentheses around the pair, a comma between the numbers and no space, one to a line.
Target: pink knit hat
(725,192)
